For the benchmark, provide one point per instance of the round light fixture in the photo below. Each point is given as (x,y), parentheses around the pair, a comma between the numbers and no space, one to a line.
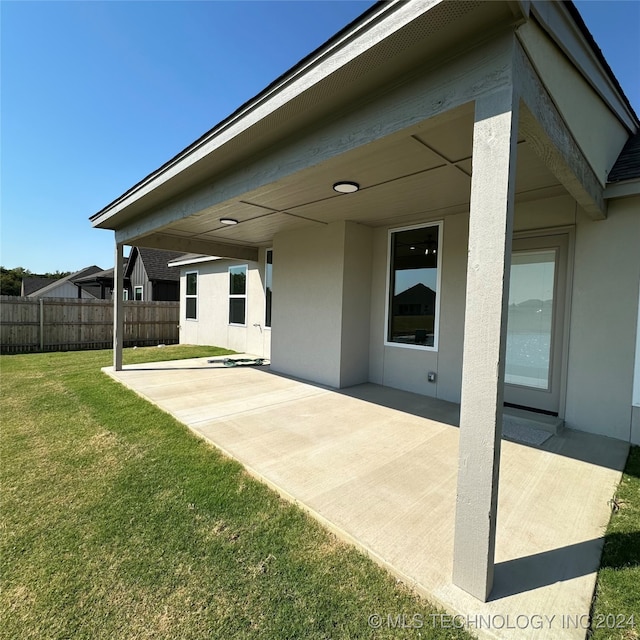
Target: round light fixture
(346,187)
(229,221)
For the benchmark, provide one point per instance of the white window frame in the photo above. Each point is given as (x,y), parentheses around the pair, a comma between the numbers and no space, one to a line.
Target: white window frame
(268,326)
(125,295)
(138,286)
(238,296)
(436,324)
(191,296)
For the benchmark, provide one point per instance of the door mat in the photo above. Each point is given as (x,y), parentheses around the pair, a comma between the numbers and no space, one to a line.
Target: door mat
(515,430)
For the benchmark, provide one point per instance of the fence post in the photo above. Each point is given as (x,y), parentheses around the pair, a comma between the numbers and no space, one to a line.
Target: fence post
(41,324)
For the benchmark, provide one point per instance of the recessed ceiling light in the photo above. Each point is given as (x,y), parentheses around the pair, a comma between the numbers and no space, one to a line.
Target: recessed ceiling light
(229,221)
(346,187)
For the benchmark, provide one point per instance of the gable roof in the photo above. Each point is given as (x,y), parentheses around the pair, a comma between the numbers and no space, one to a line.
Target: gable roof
(32,284)
(581,24)
(106,274)
(155,263)
(627,166)
(70,278)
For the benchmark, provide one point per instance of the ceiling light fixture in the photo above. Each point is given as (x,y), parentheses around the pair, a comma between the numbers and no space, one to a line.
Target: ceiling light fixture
(229,221)
(346,187)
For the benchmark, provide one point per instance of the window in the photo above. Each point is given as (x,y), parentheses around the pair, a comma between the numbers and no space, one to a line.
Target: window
(138,293)
(268,286)
(191,295)
(238,295)
(125,294)
(414,269)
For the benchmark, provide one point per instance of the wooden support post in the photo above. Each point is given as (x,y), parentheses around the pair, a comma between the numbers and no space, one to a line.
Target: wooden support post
(41,324)
(118,308)
(490,235)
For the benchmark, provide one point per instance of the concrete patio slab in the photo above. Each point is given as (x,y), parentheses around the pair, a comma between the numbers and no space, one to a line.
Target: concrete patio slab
(379,468)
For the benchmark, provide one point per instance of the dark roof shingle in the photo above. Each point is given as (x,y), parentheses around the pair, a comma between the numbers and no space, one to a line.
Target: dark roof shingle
(35,283)
(627,166)
(155,263)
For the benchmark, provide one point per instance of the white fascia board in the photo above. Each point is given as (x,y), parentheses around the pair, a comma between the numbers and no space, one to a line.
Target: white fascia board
(391,17)
(622,189)
(560,25)
(183,263)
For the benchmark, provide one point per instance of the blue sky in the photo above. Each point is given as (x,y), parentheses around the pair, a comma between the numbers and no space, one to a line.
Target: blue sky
(96,95)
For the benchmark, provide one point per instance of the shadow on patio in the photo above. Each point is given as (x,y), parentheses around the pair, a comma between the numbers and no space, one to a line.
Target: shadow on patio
(379,468)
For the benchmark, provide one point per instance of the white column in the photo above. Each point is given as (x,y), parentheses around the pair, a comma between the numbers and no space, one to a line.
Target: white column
(490,233)
(118,308)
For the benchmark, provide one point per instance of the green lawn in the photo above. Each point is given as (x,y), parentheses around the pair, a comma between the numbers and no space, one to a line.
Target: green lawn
(616,610)
(118,523)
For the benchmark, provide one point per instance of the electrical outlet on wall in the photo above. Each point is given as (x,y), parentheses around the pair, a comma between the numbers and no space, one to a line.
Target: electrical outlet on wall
(431,376)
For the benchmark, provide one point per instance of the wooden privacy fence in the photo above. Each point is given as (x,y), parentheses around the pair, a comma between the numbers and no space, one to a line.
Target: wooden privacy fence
(70,324)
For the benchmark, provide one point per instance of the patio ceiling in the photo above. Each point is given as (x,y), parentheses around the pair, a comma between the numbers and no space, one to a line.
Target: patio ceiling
(420,172)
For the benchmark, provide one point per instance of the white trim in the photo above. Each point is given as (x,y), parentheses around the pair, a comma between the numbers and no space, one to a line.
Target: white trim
(622,189)
(195,296)
(237,296)
(436,324)
(135,288)
(183,263)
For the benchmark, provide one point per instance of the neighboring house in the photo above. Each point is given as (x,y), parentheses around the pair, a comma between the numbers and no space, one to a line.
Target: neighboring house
(483,150)
(31,284)
(226,302)
(103,281)
(35,287)
(149,276)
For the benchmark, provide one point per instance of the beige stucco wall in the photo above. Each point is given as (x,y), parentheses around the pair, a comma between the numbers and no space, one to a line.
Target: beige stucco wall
(635,409)
(356,305)
(212,325)
(407,368)
(603,321)
(307,275)
(605,268)
(635,425)
(318,272)
(330,302)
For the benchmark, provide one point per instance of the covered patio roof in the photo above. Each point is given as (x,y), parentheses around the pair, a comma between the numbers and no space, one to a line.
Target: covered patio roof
(387,103)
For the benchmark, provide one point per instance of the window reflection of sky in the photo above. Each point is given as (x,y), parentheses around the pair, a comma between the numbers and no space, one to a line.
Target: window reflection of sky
(532,276)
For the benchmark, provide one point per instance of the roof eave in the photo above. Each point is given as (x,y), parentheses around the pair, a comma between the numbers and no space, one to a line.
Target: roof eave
(564,24)
(622,189)
(283,89)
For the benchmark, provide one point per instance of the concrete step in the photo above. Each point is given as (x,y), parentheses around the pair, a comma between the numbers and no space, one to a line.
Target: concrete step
(552,424)
(529,427)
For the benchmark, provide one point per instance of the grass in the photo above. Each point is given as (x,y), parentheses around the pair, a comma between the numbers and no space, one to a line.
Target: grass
(616,609)
(118,523)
